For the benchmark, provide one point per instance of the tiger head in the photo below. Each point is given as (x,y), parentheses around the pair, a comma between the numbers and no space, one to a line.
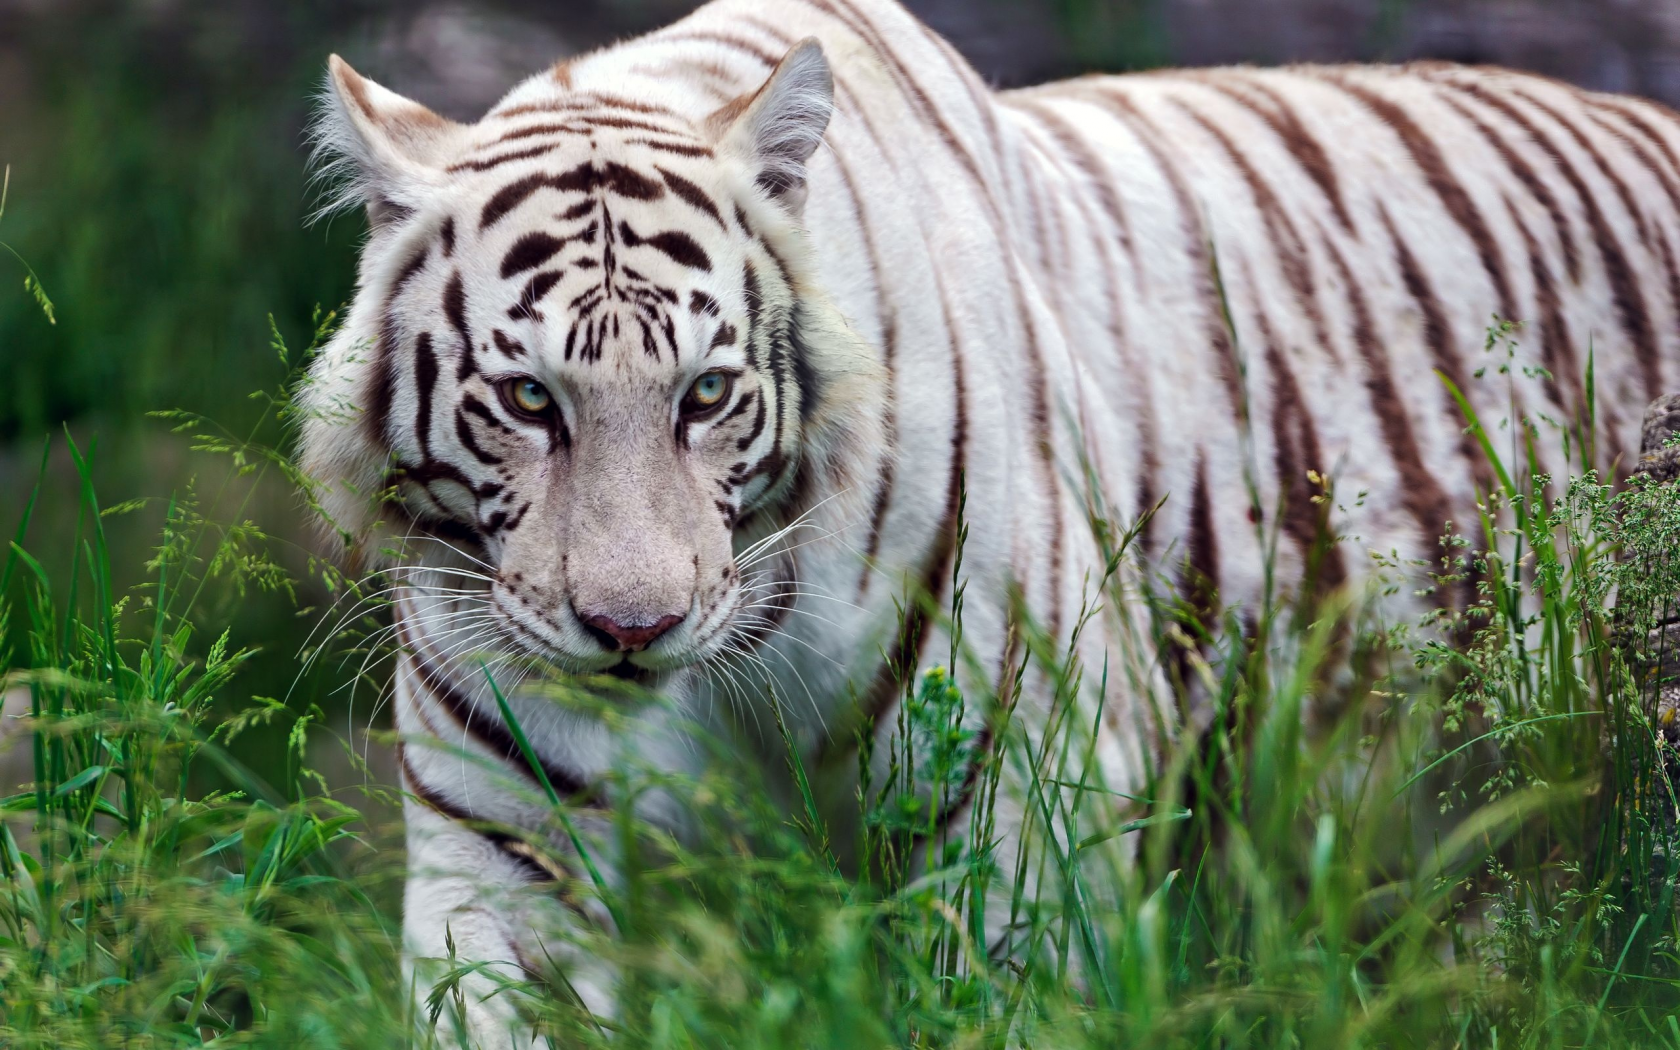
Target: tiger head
(587,355)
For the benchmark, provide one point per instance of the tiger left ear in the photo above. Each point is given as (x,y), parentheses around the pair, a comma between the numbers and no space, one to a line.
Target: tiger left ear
(387,152)
(775,129)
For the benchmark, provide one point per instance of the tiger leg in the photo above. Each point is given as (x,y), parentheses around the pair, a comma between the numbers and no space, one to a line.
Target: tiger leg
(475,909)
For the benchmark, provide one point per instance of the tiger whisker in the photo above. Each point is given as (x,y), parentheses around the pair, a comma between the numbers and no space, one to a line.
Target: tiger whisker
(771,630)
(456,550)
(769,676)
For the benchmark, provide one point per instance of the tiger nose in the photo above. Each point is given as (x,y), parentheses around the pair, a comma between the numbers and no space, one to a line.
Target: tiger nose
(625,638)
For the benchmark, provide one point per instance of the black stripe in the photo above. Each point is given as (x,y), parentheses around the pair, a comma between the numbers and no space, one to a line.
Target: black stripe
(909,86)
(1296,450)
(383,382)
(1200,585)
(1285,237)
(584,178)
(586,100)
(678,246)
(691,193)
(889,359)
(1437,336)
(1420,492)
(805,375)
(1095,171)
(537,287)
(755,303)
(502,158)
(507,344)
(542,129)
(455,308)
(730,40)
(1587,146)
(681,149)
(741,405)
(530,251)
(1624,284)
(1309,153)
(936,574)
(425,381)
(491,732)
(1432,164)
(464,434)
(757,428)
(1531,181)
(1195,235)
(510,845)
(1557,351)
(602,120)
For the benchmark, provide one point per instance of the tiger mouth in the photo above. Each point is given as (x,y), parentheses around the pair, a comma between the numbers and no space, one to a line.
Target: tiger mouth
(628,671)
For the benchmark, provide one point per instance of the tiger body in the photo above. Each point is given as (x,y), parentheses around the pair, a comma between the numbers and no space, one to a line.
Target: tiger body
(1022,290)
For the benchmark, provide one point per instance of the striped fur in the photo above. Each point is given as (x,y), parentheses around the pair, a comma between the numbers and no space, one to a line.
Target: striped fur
(959,283)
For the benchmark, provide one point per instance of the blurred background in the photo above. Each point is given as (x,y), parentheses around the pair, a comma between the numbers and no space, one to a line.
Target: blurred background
(158,189)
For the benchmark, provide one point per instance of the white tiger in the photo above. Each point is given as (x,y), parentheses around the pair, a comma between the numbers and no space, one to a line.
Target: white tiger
(676,358)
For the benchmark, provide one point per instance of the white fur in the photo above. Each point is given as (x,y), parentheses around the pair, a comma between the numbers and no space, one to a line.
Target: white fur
(959,258)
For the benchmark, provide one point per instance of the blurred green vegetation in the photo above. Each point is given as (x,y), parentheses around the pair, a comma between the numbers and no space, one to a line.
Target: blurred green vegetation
(158,190)
(1116,34)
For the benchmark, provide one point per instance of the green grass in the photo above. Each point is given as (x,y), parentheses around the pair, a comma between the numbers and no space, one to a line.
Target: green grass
(1459,836)
(1455,833)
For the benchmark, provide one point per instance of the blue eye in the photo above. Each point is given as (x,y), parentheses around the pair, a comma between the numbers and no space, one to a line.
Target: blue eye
(527,395)
(709,390)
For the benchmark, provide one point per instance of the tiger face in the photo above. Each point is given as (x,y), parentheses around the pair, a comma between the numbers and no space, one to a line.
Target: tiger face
(588,359)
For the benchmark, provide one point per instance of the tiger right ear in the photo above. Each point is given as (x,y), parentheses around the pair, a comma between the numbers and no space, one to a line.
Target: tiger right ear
(775,129)
(376,147)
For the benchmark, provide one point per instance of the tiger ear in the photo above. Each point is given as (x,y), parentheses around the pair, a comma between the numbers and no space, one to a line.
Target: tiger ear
(775,129)
(377,148)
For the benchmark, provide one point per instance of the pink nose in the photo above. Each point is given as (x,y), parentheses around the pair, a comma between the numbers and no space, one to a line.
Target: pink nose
(625,638)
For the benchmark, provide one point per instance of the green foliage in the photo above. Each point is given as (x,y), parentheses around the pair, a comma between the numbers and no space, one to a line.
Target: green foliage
(1116,35)
(1463,835)
(136,910)
(31,283)
(157,189)
(159,196)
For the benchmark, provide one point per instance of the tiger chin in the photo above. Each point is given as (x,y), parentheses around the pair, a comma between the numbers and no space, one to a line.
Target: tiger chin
(682,364)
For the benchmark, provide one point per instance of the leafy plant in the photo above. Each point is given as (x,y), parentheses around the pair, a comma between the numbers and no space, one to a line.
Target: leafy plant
(1371,835)
(31,283)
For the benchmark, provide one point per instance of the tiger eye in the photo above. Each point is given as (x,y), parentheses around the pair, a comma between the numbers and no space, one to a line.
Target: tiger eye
(529,396)
(709,389)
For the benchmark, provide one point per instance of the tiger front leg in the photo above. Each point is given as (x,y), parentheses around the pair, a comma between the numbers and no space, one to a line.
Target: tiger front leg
(484,929)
